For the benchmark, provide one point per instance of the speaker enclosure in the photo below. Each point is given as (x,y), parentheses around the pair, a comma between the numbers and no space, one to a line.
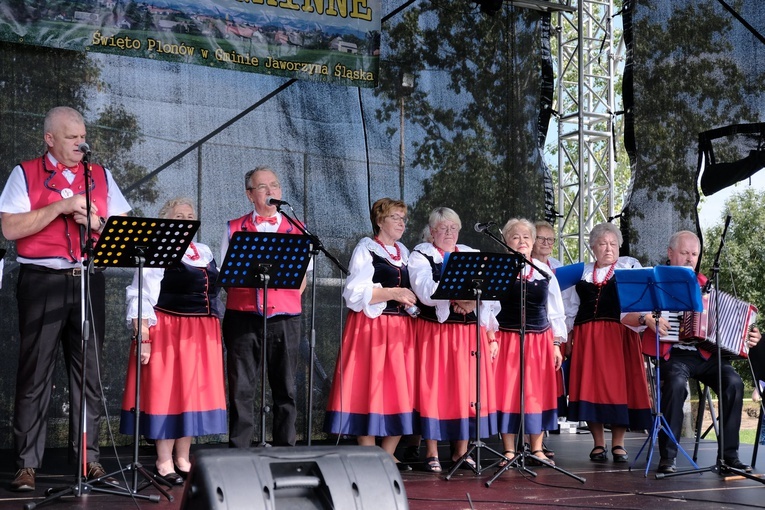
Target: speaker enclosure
(316,477)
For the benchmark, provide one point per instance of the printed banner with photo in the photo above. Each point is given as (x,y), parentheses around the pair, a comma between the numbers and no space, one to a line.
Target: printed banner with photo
(335,41)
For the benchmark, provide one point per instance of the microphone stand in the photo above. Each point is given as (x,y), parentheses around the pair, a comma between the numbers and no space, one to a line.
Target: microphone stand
(720,467)
(317,247)
(519,460)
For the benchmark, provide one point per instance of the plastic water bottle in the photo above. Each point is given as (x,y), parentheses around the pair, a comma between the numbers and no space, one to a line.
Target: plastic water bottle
(413,311)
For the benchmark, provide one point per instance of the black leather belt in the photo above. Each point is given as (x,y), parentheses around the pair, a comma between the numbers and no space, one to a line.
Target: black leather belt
(72,271)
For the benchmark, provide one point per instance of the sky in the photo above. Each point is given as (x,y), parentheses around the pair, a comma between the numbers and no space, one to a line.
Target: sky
(711,209)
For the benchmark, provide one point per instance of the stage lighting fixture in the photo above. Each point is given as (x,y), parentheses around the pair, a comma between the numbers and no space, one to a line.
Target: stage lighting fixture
(490,7)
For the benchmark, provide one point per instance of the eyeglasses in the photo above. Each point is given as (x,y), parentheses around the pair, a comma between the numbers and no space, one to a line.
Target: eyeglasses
(263,187)
(546,240)
(442,229)
(398,218)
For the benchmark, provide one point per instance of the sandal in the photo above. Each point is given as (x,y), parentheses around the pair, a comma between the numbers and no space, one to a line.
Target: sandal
(432,465)
(550,454)
(598,454)
(619,457)
(510,454)
(535,459)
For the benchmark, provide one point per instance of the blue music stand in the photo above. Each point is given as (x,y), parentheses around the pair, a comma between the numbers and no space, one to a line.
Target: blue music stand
(569,275)
(662,288)
(265,260)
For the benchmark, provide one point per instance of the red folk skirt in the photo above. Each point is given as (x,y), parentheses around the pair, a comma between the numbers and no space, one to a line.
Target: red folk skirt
(373,388)
(446,381)
(540,382)
(607,381)
(182,387)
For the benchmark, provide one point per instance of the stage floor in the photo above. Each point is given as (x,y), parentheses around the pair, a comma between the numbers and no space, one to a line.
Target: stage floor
(607,485)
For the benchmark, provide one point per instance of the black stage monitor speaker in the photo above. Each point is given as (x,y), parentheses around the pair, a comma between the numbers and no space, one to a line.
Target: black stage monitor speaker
(316,477)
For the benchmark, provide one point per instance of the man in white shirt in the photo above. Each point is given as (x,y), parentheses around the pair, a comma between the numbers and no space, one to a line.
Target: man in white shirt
(43,208)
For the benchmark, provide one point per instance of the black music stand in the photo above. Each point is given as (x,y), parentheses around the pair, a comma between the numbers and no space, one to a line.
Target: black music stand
(662,288)
(476,276)
(265,260)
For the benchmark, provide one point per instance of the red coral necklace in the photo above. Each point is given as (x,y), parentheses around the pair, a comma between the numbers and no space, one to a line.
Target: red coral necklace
(395,257)
(605,280)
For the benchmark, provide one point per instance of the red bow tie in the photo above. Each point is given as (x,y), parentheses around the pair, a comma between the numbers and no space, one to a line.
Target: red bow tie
(61,167)
(263,219)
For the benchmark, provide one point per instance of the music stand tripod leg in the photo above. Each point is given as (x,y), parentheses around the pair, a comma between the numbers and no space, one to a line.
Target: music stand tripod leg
(659,419)
(519,460)
(476,445)
(264,408)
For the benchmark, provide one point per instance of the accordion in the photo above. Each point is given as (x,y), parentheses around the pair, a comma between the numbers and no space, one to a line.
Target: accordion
(736,319)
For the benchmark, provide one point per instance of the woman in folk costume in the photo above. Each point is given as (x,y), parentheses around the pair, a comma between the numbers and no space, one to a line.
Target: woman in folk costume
(446,337)
(608,382)
(545,329)
(182,389)
(373,388)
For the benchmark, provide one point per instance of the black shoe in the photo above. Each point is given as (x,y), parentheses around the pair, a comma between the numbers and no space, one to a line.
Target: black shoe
(468,463)
(403,467)
(598,454)
(170,479)
(411,453)
(24,480)
(550,454)
(737,464)
(667,466)
(96,473)
(619,457)
(183,474)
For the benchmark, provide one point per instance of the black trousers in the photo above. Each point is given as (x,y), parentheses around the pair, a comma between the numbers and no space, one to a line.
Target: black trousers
(243,338)
(675,372)
(49,314)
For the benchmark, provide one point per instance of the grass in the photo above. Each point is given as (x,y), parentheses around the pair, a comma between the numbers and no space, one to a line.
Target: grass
(746,435)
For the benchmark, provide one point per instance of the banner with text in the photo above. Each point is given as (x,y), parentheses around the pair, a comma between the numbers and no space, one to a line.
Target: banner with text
(335,41)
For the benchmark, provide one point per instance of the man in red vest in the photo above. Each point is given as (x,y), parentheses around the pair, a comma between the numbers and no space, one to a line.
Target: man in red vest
(243,327)
(43,209)
(680,361)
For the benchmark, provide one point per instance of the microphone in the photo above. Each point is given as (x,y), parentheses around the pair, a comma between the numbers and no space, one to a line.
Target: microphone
(276,203)
(84,148)
(480,227)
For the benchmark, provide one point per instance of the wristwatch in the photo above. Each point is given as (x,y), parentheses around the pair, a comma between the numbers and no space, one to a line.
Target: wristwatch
(641,319)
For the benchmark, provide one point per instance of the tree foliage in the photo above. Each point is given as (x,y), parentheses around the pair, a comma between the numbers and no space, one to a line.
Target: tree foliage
(742,261)
(35,79)
(476,107)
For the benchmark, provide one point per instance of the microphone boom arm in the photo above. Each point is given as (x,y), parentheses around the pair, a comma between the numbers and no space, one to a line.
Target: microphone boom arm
(317,245)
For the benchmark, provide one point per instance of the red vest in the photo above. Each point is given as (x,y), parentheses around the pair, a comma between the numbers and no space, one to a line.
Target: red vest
(649,337)
(280,301)
(61,237)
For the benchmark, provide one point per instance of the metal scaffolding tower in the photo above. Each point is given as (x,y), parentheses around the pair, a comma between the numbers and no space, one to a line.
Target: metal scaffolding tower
(585,104)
